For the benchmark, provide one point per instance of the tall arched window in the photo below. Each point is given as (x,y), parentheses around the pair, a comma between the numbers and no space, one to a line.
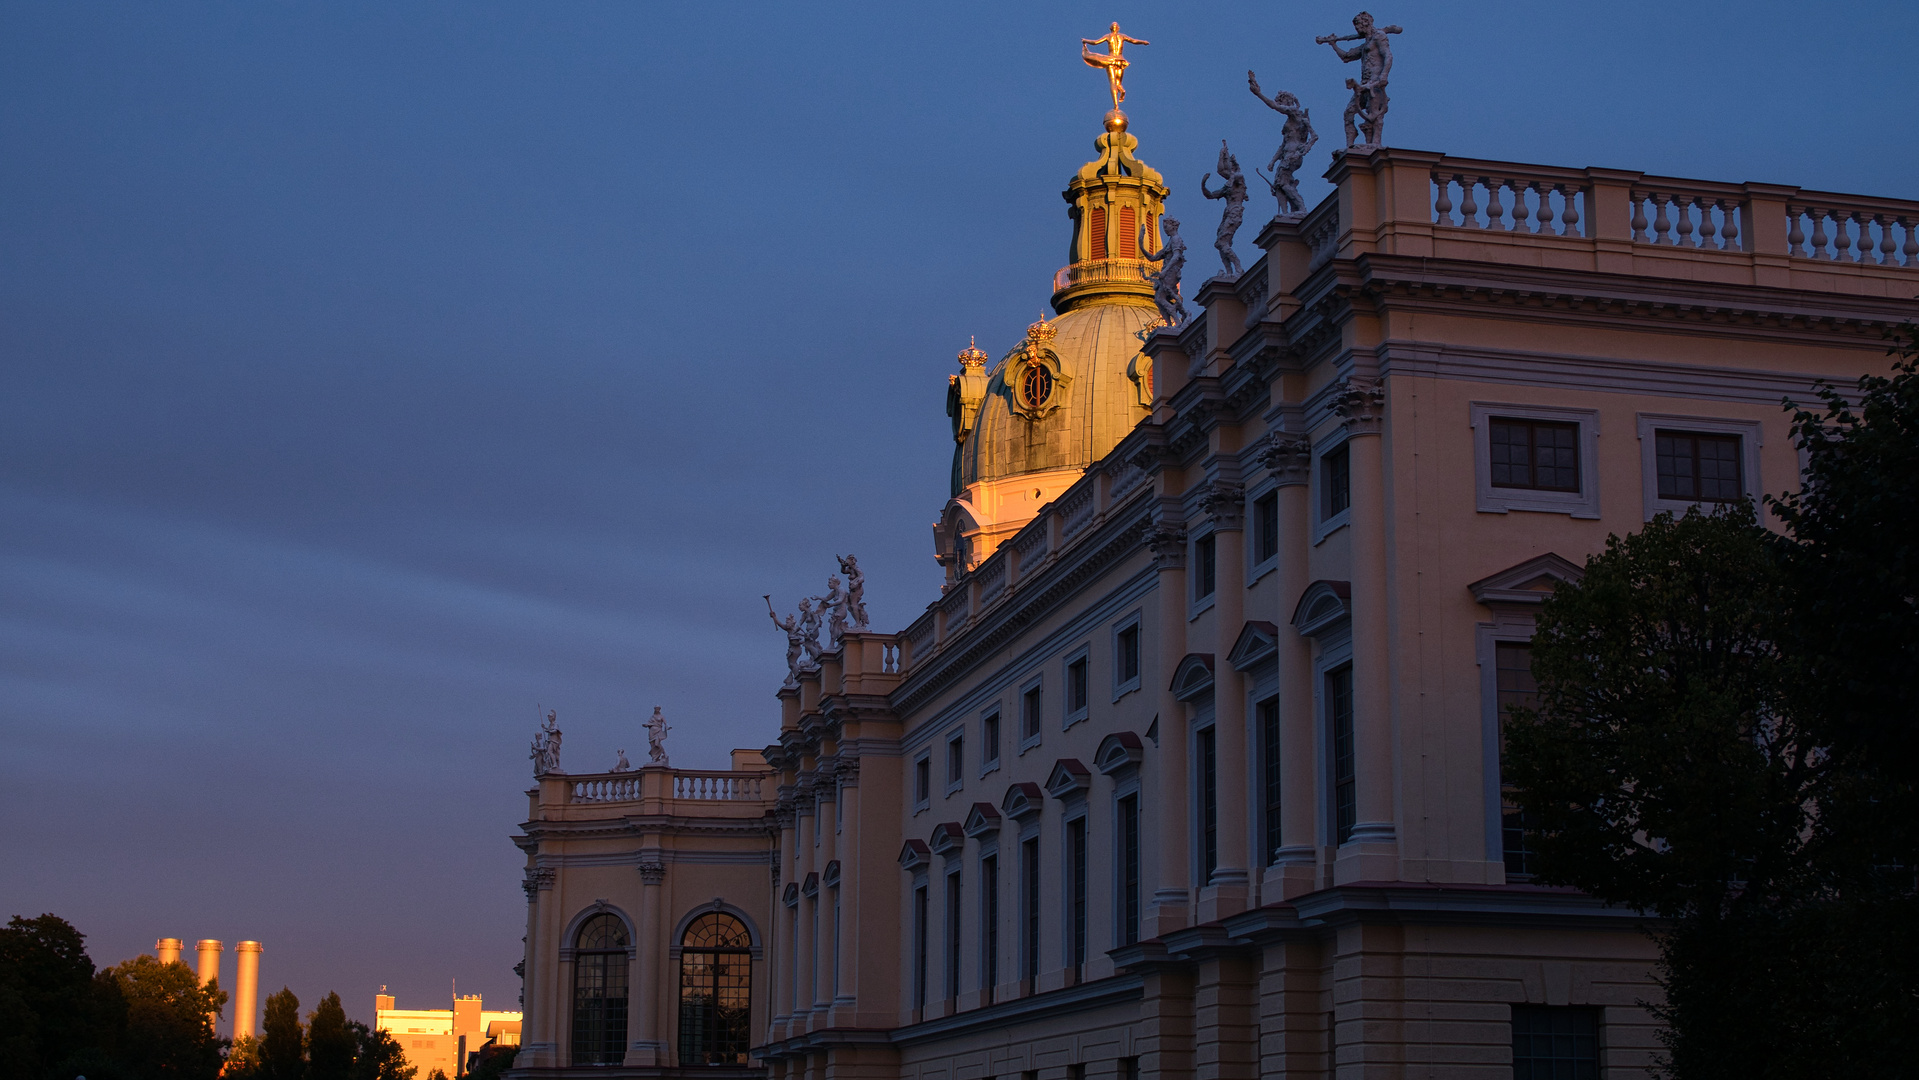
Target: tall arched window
(716,991)
(599,992)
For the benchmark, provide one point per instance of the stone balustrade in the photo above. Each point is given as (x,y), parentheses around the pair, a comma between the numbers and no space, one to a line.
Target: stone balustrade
(1103,272)
(1688,214)
(679,785)
(1848,229)
(1510,198)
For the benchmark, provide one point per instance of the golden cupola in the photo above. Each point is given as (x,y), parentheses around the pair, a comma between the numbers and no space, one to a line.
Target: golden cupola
(1030,425)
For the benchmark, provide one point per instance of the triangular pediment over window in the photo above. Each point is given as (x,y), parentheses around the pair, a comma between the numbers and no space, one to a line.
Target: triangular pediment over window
(915,855)
(1529,582)
(1257,640)
(1068,778)
(982,820)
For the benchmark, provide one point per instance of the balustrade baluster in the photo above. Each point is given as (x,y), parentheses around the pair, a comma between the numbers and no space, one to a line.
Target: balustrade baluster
(1543,216)
(1682,227)
(1818,232)
(1641,232)
(1911,246)
(1569,217)
(1706,226)
(1862,240)
(1522,214)
(1795,230)
(1660,226)
(1729,235)
(1886,246)
(1495,212)
(1468,208)
(1443,204)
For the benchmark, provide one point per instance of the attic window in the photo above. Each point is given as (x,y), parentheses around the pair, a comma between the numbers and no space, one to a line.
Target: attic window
(1099,233)
(1128,233)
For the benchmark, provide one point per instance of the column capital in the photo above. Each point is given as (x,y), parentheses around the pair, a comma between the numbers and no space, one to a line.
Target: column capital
(537,878)
(1225,503)
(1288,456)
(1362,402)
(652,872)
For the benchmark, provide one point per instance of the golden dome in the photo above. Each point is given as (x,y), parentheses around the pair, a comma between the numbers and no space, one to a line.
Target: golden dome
(1091,397)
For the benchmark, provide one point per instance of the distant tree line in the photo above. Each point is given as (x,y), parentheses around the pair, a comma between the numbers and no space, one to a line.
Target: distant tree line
(1727,737)
(145,1020)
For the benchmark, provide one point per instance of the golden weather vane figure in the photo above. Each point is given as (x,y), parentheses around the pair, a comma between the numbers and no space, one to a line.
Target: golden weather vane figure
(1113,60)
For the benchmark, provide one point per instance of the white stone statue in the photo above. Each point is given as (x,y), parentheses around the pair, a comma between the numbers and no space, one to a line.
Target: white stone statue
(834,604)
(1172,262)
(1296,139)
(656,730)
(855,590)
(622,765)
(1233,189)
(795,641)
(546,747)
(810,631)
(1375,56)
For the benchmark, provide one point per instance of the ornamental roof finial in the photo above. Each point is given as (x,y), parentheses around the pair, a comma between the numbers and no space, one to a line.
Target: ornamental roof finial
(972,356)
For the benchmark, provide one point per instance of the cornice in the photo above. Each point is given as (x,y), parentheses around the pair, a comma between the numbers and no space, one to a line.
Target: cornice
(1116,538)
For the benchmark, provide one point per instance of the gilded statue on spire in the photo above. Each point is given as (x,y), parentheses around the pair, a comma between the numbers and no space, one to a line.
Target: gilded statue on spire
(1113,59)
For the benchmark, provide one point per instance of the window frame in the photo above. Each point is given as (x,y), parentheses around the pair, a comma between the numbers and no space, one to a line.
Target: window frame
(991,725)
(1121,684)
(1583,503)
(1511,628)
(1203,564)
(1751,441)
(1325,524)
(922,781)
(1527,1068)
(1270,767)
(1081,658)
(956,759)
(1032,713)
(1258,566)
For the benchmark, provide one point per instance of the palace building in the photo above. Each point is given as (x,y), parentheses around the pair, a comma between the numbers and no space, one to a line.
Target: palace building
(1192,768)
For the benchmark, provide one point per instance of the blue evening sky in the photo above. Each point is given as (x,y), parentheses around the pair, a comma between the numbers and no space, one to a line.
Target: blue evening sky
(374,374)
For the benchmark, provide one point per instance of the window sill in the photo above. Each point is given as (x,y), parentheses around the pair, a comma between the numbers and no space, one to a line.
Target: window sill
(1124,689)
(1076,718)
(989,768)
(1261,570)
(1202,605)
(1030,744)
(1331,525)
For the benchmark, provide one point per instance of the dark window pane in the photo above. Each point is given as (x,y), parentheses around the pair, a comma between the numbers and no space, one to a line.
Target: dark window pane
(1268,715)
(1129,654)
(1030,713)
(1339,714)
(1698,468)
(1514,687)
(1538,454)
(716,992)
(1076,686)
(1076,882)
(1208,805)
(989,735)
(1129,870)
(989,923)
(1266,528)
(1555,1042)
(1205,566)
(1336,481)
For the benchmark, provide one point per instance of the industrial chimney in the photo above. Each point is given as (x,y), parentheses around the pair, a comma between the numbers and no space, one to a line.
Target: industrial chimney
(246,988)
(208,953)
(167,950)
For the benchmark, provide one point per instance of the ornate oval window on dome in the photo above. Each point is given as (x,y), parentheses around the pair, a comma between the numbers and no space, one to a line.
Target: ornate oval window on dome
(1035,386)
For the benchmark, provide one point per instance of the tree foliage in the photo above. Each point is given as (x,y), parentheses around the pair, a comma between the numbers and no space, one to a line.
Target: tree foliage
(169,1020)
(330,1046)
(1727,736)
(377,1055)
(282,1041)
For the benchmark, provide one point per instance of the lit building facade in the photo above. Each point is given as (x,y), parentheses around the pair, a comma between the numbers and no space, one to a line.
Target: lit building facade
(443,1039)
(1192,769)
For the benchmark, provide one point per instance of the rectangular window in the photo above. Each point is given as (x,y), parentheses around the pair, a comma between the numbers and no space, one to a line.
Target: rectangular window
(1539,454)
(1129,1068)
(919,947)
(1076,885)
(1266,527)
(1128,232)
(989,924)
(813,952)
(1126,660)
(1208,805)
(836,943)
(1335,482)
(1339,717)
(1555,1042)
(1098,246)
(922,781)
(953,900)
(1267,714)
(1515,687)
(989,739)
(955,760)
(1698,468)
(1076,688)
(1029,915)
(1030,711)
(1129,870)
(1205,566)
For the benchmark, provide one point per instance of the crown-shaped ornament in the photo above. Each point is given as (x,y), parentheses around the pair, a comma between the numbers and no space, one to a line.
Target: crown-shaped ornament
(1040,334)
(972,356)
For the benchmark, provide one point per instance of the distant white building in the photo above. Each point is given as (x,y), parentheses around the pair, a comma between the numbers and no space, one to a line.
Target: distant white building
(443,1038)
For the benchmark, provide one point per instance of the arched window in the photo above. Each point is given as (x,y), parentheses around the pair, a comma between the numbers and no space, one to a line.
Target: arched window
(716,991)
(1036,385)
(599,992)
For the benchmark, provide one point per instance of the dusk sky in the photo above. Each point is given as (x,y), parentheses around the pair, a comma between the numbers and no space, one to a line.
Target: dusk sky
(373,376)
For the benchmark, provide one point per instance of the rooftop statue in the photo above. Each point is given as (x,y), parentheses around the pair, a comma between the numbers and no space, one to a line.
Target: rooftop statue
(1296,139)
(1233,190)
(656,730)
(546,747)
(795,641)
(1113,60)
(810,631)
(1375,56)
(856,587)
(1172,259)
(622,765)
(833,604)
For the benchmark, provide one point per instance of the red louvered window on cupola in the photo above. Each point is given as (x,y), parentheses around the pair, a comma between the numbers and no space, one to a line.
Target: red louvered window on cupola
(1128,233)
(1099,233)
